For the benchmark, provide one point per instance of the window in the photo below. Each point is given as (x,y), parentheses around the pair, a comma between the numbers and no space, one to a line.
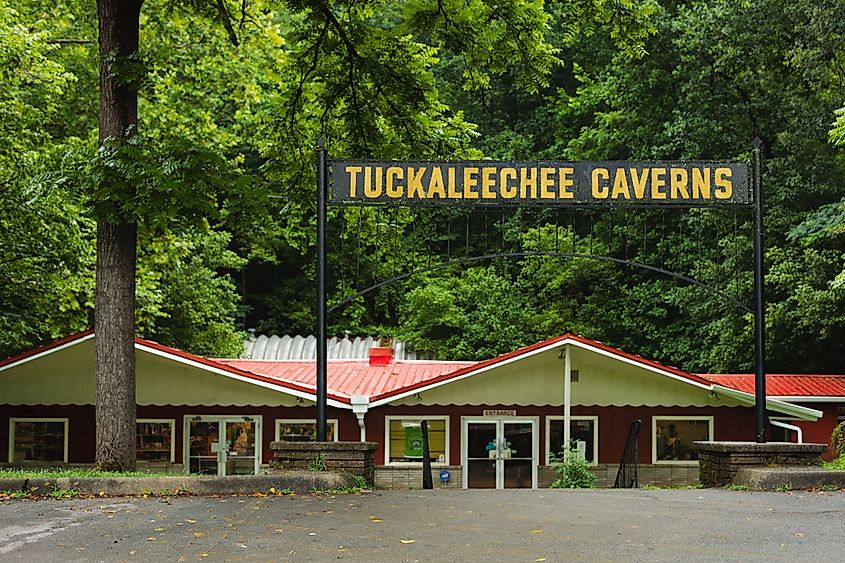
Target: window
(403,443)
(674,437)
(583,434)
(154,440)
(304,430)
(43,439)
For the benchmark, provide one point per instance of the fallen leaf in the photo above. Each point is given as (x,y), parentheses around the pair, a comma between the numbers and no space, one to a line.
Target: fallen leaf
(190,521)
(159,529)
(199,534)
(273,490)
(376,520)
(407,541)
(151,539)
(536,531)
(540,559)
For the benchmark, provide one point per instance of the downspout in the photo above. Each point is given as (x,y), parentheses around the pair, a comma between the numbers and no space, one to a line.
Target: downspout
(360,406)
(796,429)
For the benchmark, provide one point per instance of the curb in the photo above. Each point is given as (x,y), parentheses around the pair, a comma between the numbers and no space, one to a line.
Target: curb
(300,482)
(789,478)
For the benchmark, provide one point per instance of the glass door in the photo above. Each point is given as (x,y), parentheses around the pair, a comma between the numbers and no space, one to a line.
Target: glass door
(517,455)
(500,453)
(204,436)
(218,445)
(482,452)
(240,454)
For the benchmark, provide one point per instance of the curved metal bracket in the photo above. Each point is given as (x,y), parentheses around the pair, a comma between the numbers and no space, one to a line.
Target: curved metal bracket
(669,273)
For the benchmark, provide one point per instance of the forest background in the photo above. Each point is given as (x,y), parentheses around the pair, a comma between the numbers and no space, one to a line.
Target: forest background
(229,114)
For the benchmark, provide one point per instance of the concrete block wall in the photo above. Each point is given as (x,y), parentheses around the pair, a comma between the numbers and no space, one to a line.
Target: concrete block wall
(392,477)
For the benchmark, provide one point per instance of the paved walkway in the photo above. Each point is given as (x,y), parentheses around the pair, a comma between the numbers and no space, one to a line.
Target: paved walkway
(598,525)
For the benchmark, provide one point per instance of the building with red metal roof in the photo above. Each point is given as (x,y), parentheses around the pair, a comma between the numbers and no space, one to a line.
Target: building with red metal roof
(495,423)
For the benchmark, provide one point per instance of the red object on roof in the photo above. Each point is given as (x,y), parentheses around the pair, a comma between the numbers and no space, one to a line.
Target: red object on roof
(785,384)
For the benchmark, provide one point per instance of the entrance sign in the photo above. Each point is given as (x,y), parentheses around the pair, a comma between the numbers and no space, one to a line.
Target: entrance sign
(526,184)
(686,183)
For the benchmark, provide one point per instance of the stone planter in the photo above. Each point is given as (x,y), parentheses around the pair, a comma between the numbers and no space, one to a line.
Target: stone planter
(356,458)
(719,461)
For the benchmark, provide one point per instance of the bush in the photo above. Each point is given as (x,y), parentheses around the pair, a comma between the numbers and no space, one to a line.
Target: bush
(572,471)
(837,439)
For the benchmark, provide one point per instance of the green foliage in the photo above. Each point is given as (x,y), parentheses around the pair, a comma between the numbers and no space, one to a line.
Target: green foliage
(68,472)
(572,471)
(317,463)
(837,464)
(783,488)
(837,439)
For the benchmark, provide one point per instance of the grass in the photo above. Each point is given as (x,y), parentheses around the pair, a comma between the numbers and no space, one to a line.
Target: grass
(735,487)
(837,464)
(71,472)
(783,488)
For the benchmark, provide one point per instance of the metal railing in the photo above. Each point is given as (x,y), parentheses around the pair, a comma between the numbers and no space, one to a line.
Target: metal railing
(626,477)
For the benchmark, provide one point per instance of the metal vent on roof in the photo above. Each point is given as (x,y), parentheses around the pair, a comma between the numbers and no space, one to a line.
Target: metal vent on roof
(305,348)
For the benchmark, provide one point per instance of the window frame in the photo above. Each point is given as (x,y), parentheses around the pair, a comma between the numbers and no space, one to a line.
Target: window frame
(172,423)
(14,420)
(594,418)
(277,435)
(446,445)
(656,417)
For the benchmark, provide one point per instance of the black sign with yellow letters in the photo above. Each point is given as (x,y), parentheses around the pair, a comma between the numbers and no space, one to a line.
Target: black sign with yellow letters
(542,183)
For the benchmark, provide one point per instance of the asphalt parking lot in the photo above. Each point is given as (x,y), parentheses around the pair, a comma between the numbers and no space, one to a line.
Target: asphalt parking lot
(440,525)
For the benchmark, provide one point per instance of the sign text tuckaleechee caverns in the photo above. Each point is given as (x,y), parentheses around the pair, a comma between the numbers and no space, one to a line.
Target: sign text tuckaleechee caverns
(551,183)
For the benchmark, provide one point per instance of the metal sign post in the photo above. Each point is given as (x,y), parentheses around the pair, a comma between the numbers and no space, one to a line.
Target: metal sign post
(322,352)
(759,306)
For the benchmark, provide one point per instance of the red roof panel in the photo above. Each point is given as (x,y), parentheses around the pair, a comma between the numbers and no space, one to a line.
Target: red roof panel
(785,384)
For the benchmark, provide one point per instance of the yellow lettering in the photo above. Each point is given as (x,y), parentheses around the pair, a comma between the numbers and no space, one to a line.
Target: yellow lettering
(565,182)
(507,189)
(639,183)
(724,184)
(394,173)
(678,178)
(657,182)
(600,190)
(453,193)
(701,183)
(415,187)
(353,180)
(470,181)
(435,184)
(547,181)
(620,185)
(371,189)
(488,182)
(528,179)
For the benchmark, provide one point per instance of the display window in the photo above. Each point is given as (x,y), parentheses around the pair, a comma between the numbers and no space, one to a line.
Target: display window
(404,440)
(38,440)
(154,440)
(675,437)
(583,437)
(304,430)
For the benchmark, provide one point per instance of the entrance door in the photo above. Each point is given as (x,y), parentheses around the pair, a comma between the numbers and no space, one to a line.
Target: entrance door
(499,453)
(217,445)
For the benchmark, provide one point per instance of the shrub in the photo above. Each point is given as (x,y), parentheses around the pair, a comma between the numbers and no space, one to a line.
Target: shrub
(837,439)
(572,471)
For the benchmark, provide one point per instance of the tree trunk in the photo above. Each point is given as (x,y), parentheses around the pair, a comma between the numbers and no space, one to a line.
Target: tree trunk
(114,310)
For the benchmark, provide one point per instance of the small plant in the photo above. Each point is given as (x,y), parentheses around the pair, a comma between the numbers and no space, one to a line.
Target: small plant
(572,471)
(360,482)
(59,493)
(317,464)
(736,487)
(829,488)
(783,488)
